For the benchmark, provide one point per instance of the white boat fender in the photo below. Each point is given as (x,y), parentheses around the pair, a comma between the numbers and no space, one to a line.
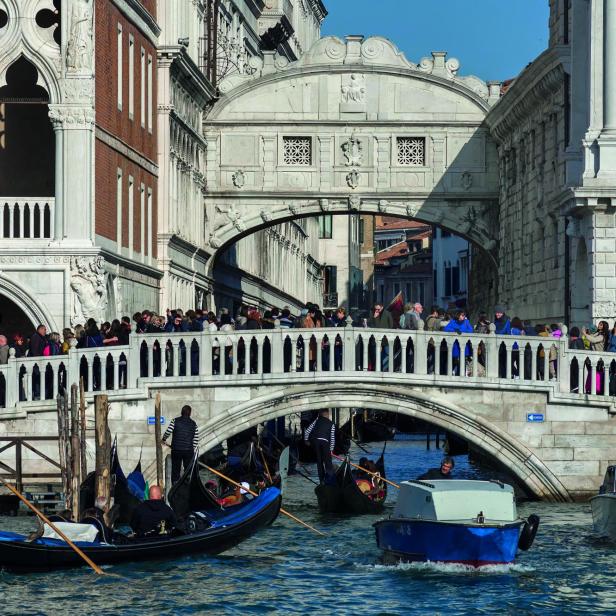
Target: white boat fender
(529,530)
(480,518)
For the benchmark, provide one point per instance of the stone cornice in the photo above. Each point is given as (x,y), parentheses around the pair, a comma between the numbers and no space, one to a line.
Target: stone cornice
(318,9)
(136,13)
(190,77)
(123,148)
(529,91)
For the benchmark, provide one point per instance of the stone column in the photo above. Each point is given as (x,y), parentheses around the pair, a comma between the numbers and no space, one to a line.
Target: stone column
(609,68)
(58,218)
(75,191)
(607,139)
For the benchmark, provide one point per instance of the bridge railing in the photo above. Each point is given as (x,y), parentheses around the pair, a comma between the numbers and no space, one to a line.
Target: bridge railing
(209,358)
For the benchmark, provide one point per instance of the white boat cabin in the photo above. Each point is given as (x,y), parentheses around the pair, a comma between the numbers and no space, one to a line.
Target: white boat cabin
(449,500)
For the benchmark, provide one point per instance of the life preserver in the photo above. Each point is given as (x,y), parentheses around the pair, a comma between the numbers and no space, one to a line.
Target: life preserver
(529,530)
(364,485)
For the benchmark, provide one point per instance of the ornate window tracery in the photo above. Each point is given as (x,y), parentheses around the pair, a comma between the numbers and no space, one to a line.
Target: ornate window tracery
(411,151)
(297,150)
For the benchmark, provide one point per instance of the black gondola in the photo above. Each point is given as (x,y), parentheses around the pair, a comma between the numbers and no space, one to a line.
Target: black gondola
(369,430)
(226,528)
(343,495)
(121,491)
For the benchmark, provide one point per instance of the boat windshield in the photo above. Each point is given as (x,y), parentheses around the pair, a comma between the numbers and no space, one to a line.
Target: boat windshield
(609,481)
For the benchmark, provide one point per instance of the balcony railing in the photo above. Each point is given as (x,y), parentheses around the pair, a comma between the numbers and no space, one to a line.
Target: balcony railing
(26,218)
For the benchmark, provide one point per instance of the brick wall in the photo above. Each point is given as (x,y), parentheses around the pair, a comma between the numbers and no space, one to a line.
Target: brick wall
(126,127)
(108,161)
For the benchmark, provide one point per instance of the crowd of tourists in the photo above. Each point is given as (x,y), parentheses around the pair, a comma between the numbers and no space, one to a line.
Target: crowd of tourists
(117,332)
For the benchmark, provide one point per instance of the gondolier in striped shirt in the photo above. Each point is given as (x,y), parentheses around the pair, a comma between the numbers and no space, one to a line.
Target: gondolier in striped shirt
(184,442)
(321,434)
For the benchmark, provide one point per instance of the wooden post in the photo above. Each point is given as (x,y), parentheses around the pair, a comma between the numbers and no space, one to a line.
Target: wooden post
(103,447)
(19,480)
(160,477)
(75,455)
(63,439)
(82,430)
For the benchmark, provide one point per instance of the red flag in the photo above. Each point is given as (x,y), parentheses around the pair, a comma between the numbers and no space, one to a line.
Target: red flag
(396,305)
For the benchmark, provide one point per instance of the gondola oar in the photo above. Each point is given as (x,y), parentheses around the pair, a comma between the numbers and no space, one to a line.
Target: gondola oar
(237,485)
(265,464)
(361,468)
(42,516)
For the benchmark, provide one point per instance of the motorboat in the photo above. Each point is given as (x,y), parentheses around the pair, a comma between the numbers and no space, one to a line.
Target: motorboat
(603,506)
(455,521)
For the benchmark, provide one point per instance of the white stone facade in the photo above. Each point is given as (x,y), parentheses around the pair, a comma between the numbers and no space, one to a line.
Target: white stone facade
(555,130)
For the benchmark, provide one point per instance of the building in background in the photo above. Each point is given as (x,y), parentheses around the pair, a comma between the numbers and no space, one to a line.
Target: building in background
(339,253)
(79,175)
(367,257)
(403,261)
(451,263)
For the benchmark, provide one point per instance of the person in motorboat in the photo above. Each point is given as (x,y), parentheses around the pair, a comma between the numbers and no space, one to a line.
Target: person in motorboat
(153,516)
(443,472)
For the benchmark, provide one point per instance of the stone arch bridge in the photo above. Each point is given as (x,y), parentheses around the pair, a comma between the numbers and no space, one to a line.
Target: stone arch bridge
(353,126)
(235,380)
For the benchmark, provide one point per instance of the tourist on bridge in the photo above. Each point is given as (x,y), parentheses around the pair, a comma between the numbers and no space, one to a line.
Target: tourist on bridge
(321,434)
(459,325)
(443,472)
(412,316)
(501,322)
(184,442)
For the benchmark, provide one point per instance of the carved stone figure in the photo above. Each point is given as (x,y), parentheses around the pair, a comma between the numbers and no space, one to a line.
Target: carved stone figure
(239,179)
(89,283)
(352,179)
(353,152)
(355,90)
(466,180)
(79,48)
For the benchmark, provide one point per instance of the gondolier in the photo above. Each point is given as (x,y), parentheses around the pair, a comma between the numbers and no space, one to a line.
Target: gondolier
(321,434)
(183,443)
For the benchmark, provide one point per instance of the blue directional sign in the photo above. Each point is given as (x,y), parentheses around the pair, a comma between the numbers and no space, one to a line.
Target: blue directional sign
(152,420)
(535,417)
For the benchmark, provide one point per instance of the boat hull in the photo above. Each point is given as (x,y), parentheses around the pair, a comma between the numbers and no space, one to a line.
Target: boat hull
(227,531)
(603,509)
(448,542)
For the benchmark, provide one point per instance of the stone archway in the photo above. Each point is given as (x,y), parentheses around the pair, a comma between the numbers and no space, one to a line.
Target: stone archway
(29,309)
(352,127)
(529,469)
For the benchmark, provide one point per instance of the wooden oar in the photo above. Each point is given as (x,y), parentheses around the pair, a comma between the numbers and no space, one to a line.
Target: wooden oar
(26,502)
(237,485)
(361,468)
(265,464)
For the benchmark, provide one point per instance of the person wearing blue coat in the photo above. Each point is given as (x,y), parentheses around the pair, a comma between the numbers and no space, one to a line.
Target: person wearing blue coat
(459,325)
(501,322)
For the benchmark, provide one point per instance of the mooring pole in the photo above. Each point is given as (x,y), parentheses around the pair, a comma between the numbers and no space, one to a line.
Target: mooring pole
(160,476)
(103,446)
(75,454)
(82,429)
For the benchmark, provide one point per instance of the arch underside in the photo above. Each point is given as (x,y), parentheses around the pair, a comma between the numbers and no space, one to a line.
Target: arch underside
(516,456)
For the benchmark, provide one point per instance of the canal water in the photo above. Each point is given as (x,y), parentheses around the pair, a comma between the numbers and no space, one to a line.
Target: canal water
(288,570)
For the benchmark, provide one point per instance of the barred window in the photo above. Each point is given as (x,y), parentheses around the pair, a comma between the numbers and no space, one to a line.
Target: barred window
(411,151)
(297,150)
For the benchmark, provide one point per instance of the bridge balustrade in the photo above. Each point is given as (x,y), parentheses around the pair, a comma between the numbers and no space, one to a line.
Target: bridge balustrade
(279,355)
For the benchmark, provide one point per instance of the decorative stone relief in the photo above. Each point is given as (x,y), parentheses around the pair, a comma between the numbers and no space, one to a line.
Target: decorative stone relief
(78,90)
(412,209)
(79,51)
(352,149)
(325,205)
(71,117)
(238,178)
(352,179)
(266,215)
(226,214)
(355,89)
(466,180)
(354,203)
(383,203)
(89,283)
